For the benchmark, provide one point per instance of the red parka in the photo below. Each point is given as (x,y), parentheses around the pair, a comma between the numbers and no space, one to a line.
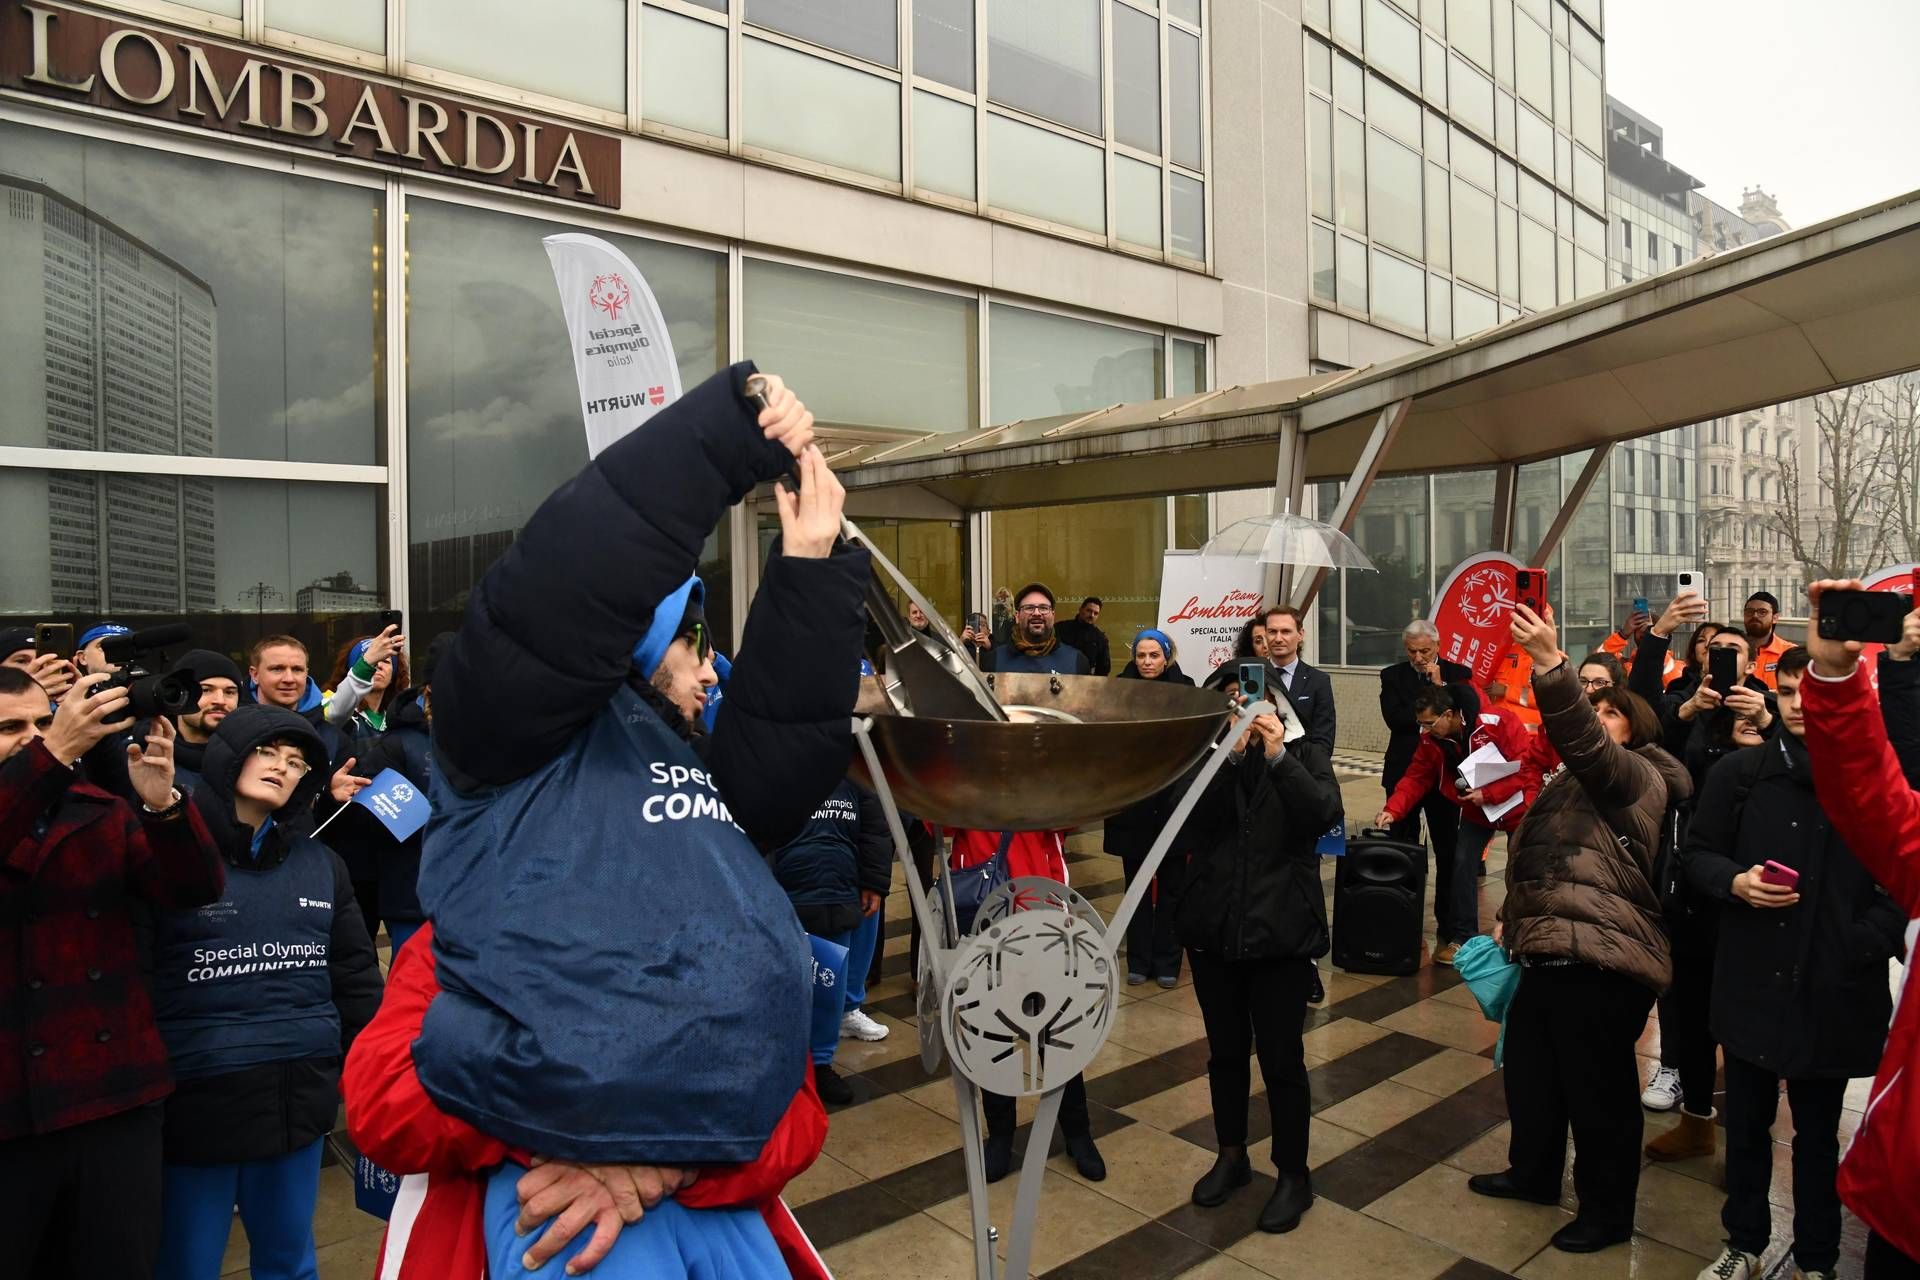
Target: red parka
(1433,766)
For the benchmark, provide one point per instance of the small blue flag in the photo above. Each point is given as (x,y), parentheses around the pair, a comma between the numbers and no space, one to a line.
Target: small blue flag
(829,988)
(400,806)
(1333,841)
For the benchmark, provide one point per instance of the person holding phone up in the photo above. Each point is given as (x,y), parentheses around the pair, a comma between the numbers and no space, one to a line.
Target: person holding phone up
(1799,980)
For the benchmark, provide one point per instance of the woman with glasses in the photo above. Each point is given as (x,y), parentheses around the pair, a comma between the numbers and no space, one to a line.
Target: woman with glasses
(258,997)
(1601,671)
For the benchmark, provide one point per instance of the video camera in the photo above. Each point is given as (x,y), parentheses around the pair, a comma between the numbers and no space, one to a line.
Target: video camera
(149,693)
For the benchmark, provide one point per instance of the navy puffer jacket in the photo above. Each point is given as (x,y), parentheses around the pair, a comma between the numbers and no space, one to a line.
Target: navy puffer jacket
(843,849)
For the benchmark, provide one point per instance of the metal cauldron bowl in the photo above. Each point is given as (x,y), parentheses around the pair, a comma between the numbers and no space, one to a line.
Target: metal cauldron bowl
(1082,749)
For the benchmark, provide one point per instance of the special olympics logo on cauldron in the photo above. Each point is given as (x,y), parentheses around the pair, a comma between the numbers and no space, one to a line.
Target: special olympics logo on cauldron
(610,294)
(1487,595)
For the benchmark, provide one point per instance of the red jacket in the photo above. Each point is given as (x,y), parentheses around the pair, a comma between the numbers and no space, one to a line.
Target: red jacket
(77,1036)
(1029,853)
(438,1223)
(1863,793)
(1432,766)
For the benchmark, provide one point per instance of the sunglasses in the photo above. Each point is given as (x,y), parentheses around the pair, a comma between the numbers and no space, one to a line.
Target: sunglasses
(702,643)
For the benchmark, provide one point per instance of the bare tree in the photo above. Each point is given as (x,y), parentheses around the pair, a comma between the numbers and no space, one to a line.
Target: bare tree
(1898,405)
(1838,510)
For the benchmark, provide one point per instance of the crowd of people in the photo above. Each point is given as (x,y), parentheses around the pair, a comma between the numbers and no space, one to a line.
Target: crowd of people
(582,1058)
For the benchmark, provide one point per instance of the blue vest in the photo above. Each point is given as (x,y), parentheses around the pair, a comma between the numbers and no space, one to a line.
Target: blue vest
(622,978)
(1064,660)
(244,980)
(820,867)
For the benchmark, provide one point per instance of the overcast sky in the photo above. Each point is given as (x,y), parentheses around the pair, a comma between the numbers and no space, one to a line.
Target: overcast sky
(1820,105)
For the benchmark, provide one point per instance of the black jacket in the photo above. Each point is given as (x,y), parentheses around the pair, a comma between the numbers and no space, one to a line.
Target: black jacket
(1799,990)
(278,1107)
(1699,743)
(1131,832)
(1089,640)
(370,850)
(1252,888)
(843,849)
(1399,685)
(1312,696)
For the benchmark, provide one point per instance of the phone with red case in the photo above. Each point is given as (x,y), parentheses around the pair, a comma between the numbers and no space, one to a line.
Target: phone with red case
(1780,875)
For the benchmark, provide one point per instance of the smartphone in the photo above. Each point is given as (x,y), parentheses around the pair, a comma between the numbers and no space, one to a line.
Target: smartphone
(392,618)
(1723,666)
(1872,616)
(1530,589)
(977,622)
(1640,606)
(1691,580)
(1777,873)
(53,637)
(1253,680)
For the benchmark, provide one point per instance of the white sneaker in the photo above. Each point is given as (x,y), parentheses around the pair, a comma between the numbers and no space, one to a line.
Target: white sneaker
(1663,1091)
(1731,1265)
(857,1024)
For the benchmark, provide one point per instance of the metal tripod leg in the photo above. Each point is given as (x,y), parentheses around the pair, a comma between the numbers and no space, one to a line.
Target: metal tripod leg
(973,1148)
(1143,879)
(916,892)
(1033,1172)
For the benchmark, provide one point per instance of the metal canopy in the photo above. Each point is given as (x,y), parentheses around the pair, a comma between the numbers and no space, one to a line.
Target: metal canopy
(1804,312)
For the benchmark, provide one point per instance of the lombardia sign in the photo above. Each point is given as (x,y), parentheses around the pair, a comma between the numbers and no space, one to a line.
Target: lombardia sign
(82,57)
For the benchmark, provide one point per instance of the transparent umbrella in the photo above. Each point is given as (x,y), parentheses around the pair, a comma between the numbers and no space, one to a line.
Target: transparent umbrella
(1285,538)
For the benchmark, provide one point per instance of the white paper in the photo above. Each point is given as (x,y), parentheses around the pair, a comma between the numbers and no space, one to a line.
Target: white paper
(1495,812)
(1486,765)
(622,354)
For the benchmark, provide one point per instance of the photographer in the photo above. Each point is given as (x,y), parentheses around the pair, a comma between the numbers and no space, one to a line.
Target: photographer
(1857,776)
(368,678)
(81,1060)
(218,678)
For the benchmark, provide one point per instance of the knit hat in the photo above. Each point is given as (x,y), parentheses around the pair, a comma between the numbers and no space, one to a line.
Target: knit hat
(1767,598)
(678,614)
(14,639)
(1159,637)
(205,664)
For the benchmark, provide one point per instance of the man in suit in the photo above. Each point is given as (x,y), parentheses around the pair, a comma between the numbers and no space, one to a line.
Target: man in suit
(1309,689)
(1400,684)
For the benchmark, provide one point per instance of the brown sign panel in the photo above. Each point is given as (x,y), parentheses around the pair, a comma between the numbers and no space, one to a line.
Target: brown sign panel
(82,57)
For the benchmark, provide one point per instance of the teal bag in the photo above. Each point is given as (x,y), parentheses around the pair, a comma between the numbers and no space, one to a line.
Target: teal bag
(1483,965)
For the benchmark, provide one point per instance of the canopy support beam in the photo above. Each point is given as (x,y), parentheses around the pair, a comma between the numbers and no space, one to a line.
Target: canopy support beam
(1506,484)
(1589,476)
(1365,469)
(1289,494)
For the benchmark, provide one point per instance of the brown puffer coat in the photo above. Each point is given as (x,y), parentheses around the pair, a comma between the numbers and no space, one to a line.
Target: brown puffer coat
(1572,890)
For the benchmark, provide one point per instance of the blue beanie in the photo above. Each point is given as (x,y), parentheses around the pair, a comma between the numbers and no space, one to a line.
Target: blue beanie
(1159,637)
(102,631)
(665,627)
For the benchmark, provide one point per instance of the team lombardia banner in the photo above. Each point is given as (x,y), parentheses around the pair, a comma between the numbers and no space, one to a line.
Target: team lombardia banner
(1204,601)
(621,350)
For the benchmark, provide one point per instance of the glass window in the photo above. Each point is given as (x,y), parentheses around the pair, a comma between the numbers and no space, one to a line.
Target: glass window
(1472,97)
(1472,160)
(1533,64)
(1562,89)
(1562,214)
(1590,232)
(1439,309)
(943,150)
(574,50)
(1319,65)
(1433,15)
(1503,42)
(1185,10)
(1136,78)
(1536,266)
(1043,56)
(1322,255)
(1316,14)
(1470,29)
(166,305)
(1109,549)
(943,41)
(1559,21)
(1433,84)
(1589,11)
(1394,185)
(1462,517)
(1393,110)
(1509,175)
(1399,292)
(1349,153)
(1349,85)
(1346,23)
(1563,254)
(493,408)
(1438,222)
(1187,374)
(230,8)
(683,72)
(930,552)
(1585,46)
(1189,198)
(1136,201)
(1393,43)
(1391,527)
(1183,97)
(864,28)
(852,120)
(358,24)
(913,349)
(1320,156)
(1536,199)
(1536,142)
(1509,223)
(1473,312)
(1588,114)
(1042,174)
(1589,274)
(233,559)
(1505,132)
(1436,138)
(1473,249)
(1589,179)
(1562,162)
(1043,364)
(1352,272)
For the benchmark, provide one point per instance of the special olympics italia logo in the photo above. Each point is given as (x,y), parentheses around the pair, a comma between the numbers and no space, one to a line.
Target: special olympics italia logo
(1487,596)
(610,294)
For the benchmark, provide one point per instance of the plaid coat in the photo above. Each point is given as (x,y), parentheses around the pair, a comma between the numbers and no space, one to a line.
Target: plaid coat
(77,1035)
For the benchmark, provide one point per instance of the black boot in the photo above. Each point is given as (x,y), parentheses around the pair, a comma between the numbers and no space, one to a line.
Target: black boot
(833,1091)
(1293,1197)
(1086,1157)
(1501,1186)
(999,1155)
(1229,1173)
(1319,993)
(1589,1235)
